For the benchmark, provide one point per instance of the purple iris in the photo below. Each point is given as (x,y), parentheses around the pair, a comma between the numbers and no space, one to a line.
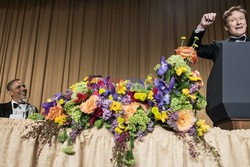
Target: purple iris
(194,88)
(163,67)
(47,106)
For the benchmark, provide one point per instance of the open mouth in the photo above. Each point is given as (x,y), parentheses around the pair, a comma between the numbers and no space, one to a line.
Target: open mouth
(238,28)
(23,93)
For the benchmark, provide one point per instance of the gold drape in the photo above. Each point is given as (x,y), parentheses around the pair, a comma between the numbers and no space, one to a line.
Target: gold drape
(94,148)
(51,44)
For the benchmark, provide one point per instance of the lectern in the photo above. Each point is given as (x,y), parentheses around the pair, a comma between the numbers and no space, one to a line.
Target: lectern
(228,87)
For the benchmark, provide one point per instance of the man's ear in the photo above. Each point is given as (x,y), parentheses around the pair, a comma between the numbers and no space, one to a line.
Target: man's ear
(226,28)
(10,93)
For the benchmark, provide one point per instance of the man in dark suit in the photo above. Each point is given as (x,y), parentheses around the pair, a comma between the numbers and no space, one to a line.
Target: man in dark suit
(235,24)
(17,107)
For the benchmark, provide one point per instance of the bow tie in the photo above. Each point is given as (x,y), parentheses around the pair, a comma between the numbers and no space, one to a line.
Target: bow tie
(235,39)
(15,105)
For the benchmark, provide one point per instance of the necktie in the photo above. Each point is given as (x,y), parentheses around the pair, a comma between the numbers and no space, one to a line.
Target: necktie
(235,39)
(15,105)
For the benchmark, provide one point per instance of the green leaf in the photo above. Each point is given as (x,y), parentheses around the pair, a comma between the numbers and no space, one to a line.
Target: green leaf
(98,123)
(62,136)
(107,125)
(68,150)
(129,160)
(168,76)
(36,116)
(184,85)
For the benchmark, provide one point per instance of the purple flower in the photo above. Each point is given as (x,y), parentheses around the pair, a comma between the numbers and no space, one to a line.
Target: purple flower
(107,114)
(163,67)
(171,83)
(172,119)
(194,88)
(114,124)
(126,100)
(140,134)
(150,126)
(47,106)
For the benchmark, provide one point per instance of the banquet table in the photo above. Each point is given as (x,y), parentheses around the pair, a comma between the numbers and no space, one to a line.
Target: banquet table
(94,149)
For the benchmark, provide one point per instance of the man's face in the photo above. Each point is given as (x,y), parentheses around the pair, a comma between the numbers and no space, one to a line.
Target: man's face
(236,24)
(18,91)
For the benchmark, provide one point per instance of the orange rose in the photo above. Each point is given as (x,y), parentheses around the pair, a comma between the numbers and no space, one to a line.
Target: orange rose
(55,112)
(187,53)
(186,120)
(130,109)
(89,105)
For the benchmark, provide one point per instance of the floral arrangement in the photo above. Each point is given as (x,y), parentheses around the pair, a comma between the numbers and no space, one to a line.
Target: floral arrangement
(130,110)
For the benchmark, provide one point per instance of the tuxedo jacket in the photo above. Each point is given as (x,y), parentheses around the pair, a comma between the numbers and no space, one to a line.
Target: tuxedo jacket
(6,109)
(207,51)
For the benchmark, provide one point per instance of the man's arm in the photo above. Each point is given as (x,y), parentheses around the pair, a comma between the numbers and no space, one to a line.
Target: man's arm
(204,51)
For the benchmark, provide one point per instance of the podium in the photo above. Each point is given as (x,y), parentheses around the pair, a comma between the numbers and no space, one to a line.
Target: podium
(228,87)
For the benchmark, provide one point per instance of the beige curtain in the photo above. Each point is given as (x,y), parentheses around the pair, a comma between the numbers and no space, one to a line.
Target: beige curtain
(51,44)
(94,148)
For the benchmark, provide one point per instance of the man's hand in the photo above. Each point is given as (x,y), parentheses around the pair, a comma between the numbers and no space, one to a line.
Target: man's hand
(206,20)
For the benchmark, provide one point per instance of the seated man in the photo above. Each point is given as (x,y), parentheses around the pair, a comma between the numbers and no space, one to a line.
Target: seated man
(235,24)
(17,107)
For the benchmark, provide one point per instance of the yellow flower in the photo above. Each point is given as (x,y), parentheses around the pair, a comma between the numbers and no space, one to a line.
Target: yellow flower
(193,96)
(202,127)
(159,116)
(195,78)
(101,91)
(150,79)
(205,128)
(181,70)
(164,116)
(121,87)
(110,97)
(200,122)
(140,96)
(121,126)
(61,101)
(60,120)
(185,91)
(150,95)
(85,79)
(200,133)
(120,120)
(116,106)
(49,100)
(73,88)
(155,110)
(118,130)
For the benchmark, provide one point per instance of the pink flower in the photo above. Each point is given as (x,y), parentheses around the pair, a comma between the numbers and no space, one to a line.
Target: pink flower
(89,105)
(186,120)
(55,112)
(187,53)
(130,109)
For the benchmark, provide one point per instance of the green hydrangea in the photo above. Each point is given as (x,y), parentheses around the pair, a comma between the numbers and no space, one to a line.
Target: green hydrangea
(80,87)
(140,88)
(138,122)
(73,111)
(176,61)
(36,116)
(180,103)
(200,104)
